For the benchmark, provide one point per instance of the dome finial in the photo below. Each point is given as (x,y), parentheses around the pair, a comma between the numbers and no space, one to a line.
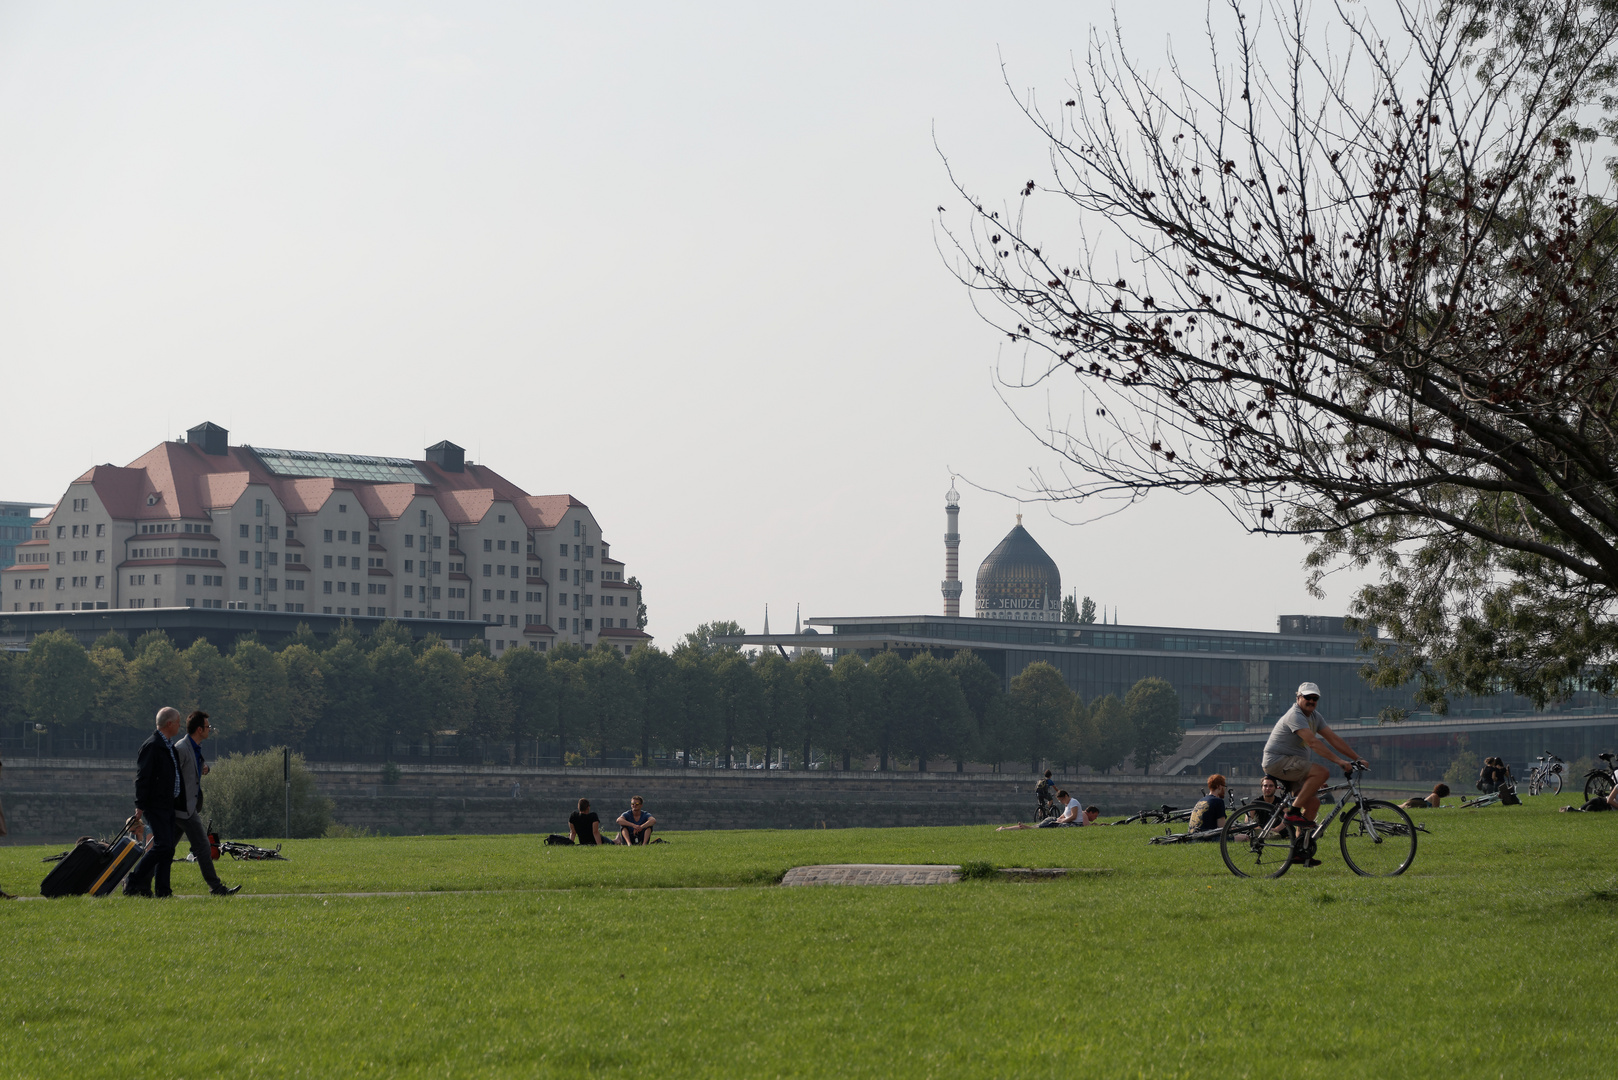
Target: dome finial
(1019,519)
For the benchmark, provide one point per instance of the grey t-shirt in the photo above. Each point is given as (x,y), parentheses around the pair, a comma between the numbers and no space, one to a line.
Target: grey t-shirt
(1284,740)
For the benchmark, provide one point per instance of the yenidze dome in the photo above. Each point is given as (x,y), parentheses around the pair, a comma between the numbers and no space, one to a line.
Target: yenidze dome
(1019,581)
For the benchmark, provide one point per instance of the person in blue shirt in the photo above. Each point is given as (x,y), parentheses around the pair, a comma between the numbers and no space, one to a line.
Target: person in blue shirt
(635,824)
(1209,813)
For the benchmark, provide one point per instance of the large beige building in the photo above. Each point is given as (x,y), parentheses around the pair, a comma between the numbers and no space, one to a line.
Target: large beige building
(203,524)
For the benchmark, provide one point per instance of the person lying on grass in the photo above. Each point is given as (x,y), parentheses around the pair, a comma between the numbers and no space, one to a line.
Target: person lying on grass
(584,825)
(1427,802)
(1609,801)
(635,824)
(1071,814)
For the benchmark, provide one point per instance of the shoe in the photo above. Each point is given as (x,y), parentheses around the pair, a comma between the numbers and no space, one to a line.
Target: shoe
(1295,817)
(147,893)
(225,890)
(1311,862)
(163,895)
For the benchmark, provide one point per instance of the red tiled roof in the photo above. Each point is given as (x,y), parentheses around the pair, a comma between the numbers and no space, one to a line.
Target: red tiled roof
(539,628)
(624,631)
(619,585)
(610,562)
(305,567)
(550,509)
(377,571)
(170,562)
(532,580)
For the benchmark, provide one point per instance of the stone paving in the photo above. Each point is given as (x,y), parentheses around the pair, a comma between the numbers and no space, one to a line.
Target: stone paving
(871,874)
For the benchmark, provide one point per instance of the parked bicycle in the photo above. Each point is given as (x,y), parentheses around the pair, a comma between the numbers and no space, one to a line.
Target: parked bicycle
(1161,815)
(1601,779)
(1546,775)
(1377,838)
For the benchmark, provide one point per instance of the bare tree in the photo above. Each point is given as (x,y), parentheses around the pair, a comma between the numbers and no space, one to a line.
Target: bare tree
(1361,288)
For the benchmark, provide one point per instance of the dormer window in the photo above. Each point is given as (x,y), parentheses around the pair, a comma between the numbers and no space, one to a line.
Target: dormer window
(151,500)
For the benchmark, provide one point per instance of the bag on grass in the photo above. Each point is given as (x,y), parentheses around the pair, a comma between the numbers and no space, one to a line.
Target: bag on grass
(1508,797)
(554,839)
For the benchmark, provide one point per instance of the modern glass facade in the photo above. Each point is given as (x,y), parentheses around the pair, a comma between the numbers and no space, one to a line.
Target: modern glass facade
(16,521)
(1227,678)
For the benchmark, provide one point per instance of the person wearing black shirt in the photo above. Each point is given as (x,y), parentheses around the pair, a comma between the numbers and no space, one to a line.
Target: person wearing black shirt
(1425,802)
(1492,775)
(157,796)
(584,825)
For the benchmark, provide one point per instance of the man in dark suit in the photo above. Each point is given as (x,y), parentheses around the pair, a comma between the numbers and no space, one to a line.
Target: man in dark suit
(193,767)
(157,796)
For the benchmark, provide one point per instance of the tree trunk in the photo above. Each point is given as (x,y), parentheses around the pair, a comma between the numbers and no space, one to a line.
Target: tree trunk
(960,765)
(806,753)
(847,762)
(766,755)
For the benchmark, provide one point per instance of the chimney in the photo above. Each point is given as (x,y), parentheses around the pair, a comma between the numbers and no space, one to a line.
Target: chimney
(447,456)
(211,438)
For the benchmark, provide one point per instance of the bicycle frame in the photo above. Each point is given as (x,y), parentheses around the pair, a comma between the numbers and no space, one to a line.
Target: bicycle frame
(1351,785)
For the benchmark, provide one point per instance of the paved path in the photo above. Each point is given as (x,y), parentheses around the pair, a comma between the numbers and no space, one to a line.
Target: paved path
(871,874)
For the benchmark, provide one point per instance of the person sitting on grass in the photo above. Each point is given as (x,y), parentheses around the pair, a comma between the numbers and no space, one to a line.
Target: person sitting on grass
(635,824)
(1071,814)
(1492,775)
(1090,814)
(584,825)
(1609,801)
(1209,813)
(1427,802)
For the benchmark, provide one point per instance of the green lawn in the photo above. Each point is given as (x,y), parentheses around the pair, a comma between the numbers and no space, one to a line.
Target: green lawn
(579,962)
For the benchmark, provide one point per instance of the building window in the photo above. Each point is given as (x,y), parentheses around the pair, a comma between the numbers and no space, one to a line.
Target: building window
(342,560)
(325,587)
(327,561)
(354,537)
(499,595)
(589,575)
(410,592)
(241,584)
(577,528)
(328,536)
(587,624)
(275,533)
(258,586)
(342,586)
(438,542)
(410,540)
(502,519)
(488,545)
(436,592)
(190,579)
(241,531)
(258,508)
(485,595)
(101,581)
(342,508)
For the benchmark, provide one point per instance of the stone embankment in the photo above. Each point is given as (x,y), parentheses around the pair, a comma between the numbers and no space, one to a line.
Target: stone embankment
(55,800)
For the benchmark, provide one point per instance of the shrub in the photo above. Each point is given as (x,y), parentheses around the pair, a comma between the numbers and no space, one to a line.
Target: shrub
(246,797)
(390,774)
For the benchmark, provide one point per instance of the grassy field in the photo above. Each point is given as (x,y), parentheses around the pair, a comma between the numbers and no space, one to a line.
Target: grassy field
(508,958)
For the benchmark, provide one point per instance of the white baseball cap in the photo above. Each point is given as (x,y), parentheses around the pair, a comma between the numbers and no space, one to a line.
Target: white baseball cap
(1308,688)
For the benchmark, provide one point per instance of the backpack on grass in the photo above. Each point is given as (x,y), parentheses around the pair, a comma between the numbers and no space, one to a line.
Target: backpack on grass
(554,839)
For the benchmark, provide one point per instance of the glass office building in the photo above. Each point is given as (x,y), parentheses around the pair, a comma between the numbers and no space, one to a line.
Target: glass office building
(16,525)
(1225,678)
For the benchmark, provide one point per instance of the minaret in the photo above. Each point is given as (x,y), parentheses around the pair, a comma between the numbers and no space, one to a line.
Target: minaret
(952,548)
(766,618)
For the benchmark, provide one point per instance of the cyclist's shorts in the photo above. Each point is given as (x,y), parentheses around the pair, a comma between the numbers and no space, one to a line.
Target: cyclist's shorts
(1290,770)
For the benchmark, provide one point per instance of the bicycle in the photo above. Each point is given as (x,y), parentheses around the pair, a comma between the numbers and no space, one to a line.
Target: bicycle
(1600,780)
(1377,838)
(1546,775)
(1161,815)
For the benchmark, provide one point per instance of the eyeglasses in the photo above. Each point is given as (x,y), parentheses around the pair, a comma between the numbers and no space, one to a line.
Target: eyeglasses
(1312,698)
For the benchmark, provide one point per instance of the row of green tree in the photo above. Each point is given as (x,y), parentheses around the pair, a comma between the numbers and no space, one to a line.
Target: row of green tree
(357,695)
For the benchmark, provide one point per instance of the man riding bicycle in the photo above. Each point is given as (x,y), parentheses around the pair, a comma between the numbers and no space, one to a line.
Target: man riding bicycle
(1286,755)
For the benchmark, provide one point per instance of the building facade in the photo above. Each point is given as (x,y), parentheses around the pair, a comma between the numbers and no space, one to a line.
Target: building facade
(16,527)
(1018,582)
(202,524)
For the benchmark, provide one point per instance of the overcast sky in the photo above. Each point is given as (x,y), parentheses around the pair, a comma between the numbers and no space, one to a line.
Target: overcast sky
(676,260)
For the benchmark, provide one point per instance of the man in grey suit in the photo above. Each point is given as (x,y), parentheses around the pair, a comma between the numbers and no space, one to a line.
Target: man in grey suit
(193,767)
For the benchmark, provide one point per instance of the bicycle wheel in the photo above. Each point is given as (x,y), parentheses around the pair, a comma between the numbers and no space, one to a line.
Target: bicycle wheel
(1553,783)
(1387,853)
(1251,847)
(1597,787)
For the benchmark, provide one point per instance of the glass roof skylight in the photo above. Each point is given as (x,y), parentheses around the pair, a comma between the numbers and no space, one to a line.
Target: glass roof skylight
(365,467)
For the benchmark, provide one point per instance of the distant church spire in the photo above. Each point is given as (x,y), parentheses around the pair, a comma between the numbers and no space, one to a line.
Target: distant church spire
(797,623)
(766,618)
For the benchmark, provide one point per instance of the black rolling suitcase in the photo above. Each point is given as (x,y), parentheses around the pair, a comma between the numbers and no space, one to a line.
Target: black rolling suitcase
(93,866)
